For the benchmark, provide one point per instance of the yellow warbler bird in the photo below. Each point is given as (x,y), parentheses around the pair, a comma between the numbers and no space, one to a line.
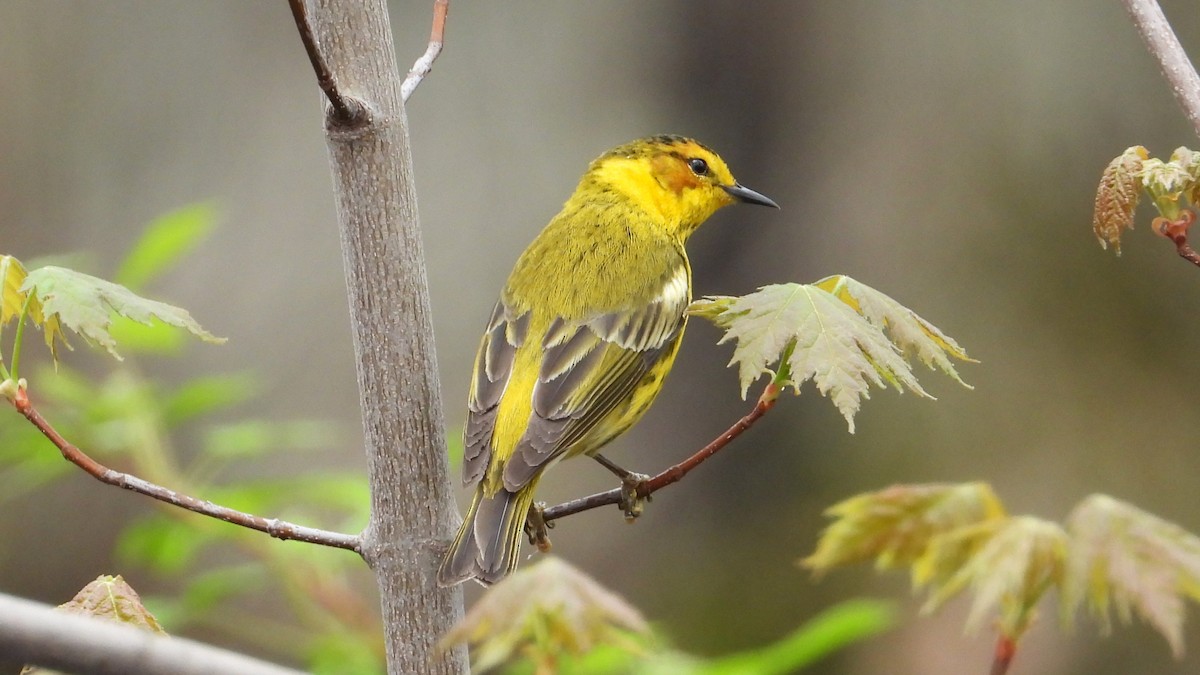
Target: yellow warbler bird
(586,329)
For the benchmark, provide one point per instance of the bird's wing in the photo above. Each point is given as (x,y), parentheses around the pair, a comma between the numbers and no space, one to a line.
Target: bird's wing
(505,333)
(591,367)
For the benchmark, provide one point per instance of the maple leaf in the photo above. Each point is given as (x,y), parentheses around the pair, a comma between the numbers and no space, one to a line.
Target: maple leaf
(1188,160)
(542,612)
(1191,161)
(166,239)
(1165,177)
(896,526)
(112,598)
(84,303)
(1117,197)
(835,332)
(14,300)
(1124,557)
(1013,562)
(1167,182)
(904,327)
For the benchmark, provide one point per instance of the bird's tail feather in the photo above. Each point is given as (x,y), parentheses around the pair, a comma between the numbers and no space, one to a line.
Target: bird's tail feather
(487,543)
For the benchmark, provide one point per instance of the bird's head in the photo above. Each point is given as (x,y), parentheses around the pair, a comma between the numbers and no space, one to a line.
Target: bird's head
(677,180)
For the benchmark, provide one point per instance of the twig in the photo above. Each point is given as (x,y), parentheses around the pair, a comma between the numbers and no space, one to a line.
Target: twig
(1185,251)
(1177,232)
(276,528)
(673,474)
(1164,45)
(1006,649)
(344,110)
(423,65)
(34,633)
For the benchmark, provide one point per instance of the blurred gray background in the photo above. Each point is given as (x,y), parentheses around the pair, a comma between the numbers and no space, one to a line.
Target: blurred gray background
(946,153)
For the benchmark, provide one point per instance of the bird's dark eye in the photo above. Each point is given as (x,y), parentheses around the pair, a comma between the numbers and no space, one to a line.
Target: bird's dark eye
(698,166)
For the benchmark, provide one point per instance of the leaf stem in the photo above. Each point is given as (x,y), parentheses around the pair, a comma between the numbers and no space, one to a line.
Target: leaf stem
(16,355)
(675,473)
(4,376)
(1006,649)
(272,526)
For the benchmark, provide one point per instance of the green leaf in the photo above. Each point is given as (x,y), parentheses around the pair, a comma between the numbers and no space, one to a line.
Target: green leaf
(68,389)
(208,394)
(1168,177)
(27,462)
(13,297)
(895,527)
(167,239)
(345,653)
(543,612)
(835,628)
(1014,562)
(164,545)
(833,333)
(1125,557)
(251,438)
(313,496)
(206,590)
(904,328)
(83,303)
(139,338)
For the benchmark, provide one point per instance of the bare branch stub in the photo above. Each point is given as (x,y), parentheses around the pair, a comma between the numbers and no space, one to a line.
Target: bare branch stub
(672,474)
(276,528)
(424,64)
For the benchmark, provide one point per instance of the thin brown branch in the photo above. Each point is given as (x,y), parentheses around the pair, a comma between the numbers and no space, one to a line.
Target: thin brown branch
(672,474)
(276,528)
(423,65)
(344,110)
(1172,60)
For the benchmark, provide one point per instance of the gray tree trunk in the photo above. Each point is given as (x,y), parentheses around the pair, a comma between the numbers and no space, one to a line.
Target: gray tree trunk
(412,506)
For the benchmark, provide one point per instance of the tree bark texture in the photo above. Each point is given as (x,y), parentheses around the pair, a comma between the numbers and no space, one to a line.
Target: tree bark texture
(413,515)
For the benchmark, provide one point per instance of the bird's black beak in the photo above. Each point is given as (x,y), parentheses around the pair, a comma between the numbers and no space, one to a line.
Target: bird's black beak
(745,194)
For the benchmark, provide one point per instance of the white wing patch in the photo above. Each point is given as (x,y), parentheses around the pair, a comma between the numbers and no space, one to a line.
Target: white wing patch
(651,326)
(675,292)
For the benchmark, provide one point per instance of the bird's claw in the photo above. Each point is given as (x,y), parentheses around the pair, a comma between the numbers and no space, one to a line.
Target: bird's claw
(537,527)
(632,502)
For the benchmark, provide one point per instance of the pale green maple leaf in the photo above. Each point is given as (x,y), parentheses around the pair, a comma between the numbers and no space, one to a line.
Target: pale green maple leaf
(841,334)
(84,304)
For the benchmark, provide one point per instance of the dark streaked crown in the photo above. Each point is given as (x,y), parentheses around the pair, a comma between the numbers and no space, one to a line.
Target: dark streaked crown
(652,145)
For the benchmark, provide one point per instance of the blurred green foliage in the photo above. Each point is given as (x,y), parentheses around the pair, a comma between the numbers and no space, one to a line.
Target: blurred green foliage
(831,630)
(215,577)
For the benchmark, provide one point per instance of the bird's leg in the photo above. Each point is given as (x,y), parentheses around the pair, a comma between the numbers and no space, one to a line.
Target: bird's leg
(631,503)
(537,527)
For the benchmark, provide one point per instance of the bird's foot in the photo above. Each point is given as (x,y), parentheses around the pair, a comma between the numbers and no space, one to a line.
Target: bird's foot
(537,527)
(632,501)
